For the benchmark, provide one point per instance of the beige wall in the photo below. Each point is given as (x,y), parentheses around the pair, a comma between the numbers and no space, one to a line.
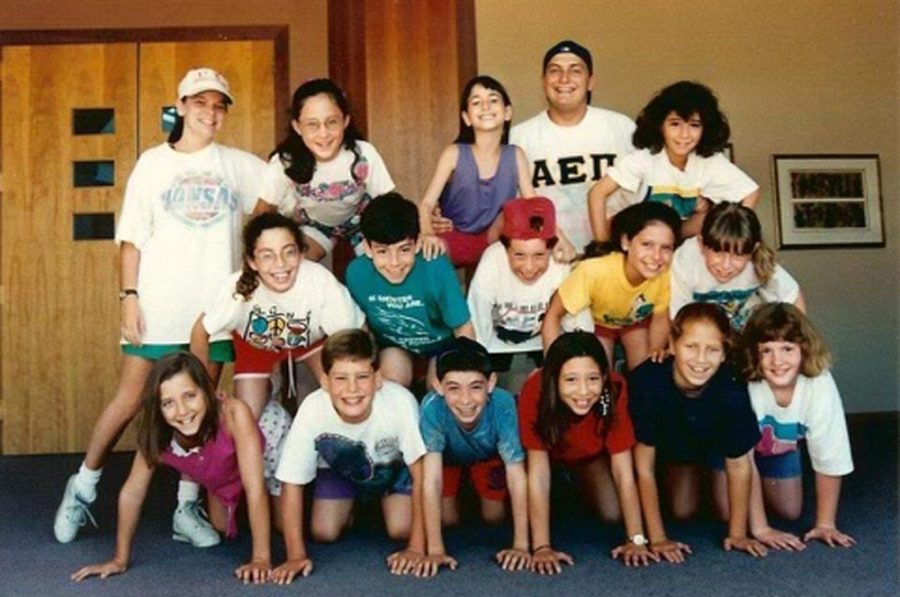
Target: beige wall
(307,19)
(805,76)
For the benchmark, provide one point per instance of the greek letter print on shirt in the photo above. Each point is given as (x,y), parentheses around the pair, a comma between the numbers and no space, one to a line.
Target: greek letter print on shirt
(200,199)
(571,169)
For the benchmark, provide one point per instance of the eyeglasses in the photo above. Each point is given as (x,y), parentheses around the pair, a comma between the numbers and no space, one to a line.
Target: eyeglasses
(311,127)
(289,254)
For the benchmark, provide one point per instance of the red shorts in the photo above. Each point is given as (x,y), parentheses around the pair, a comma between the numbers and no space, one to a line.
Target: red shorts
(488,478)
(602,331)
(465,248)
(249,360)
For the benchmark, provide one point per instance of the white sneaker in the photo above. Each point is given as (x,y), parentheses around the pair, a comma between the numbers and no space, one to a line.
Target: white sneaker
(190,525)
(71,515)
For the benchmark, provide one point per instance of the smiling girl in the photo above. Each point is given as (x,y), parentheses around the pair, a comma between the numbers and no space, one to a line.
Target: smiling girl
(627,287)
(689,410)
(475,176)
(214,440)
(574,411)
(679,139)
(178,239)
(795,398)
(729,264)
(323,173)
(280,306)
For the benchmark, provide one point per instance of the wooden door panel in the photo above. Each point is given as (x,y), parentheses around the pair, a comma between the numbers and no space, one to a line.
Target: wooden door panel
(60,314)
(248,66)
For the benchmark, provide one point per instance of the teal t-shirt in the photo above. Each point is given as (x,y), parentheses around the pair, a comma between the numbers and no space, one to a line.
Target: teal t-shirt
(418,314)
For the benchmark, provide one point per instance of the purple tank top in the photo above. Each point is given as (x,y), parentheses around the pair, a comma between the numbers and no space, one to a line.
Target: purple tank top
(473,203)
(215,467)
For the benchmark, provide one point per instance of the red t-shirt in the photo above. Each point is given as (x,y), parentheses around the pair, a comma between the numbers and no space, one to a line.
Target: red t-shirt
(586,437)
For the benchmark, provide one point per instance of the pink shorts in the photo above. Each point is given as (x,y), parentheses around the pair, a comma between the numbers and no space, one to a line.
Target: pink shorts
(252,361)
(601,331)
(465,248)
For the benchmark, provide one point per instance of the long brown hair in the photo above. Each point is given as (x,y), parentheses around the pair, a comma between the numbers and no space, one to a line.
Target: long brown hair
(249,279)
(733,228)
(554,417)
(154,433)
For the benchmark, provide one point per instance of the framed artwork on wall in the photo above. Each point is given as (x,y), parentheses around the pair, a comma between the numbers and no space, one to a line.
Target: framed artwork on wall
(828,201)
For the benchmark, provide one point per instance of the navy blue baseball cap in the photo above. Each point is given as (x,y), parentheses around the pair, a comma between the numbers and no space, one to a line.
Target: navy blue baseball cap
(567,46)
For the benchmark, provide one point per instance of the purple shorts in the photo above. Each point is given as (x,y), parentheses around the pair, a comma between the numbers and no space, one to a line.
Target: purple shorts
(332,486)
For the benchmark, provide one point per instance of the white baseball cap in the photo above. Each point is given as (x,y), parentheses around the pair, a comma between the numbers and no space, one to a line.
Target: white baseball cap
(199,80)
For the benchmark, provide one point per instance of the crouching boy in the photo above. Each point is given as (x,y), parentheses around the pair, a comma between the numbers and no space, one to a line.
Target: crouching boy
(357,436)
(413,306)
(467,422)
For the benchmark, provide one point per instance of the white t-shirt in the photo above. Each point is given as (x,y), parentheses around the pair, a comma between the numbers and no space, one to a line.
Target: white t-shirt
(316,306)
(365,451)
(505,309)
(332,195)
(567,160)
(815,412)
(184,212)
(692,283)
(652,177)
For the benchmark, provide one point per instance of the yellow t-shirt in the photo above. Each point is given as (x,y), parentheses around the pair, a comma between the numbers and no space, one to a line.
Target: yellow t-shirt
(601,284)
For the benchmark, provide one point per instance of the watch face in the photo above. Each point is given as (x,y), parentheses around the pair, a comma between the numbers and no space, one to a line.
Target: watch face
(639,540)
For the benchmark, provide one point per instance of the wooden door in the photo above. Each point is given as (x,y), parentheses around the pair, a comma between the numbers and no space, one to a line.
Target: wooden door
(60,312)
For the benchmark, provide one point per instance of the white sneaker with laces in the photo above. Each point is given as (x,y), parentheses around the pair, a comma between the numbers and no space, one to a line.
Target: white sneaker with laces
(72,514)
(190,525)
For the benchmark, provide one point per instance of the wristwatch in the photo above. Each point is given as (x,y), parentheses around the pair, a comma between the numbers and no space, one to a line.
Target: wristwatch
(126,292)
(638,540)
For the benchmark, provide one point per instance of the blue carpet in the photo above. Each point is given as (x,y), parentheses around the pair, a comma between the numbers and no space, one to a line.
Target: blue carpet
(32,563)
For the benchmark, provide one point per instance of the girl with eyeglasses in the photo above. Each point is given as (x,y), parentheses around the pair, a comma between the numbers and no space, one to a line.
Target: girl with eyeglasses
(323,173)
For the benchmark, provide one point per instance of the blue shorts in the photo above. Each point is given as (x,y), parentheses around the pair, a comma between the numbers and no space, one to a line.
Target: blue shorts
(220,351)
(779,466)
(776,466)
(330,485)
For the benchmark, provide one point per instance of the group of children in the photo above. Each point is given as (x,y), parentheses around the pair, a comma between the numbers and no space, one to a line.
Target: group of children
(724,371)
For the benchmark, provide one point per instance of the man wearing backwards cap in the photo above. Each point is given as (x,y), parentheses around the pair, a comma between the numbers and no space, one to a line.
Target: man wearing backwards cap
(570,144)
(515,280)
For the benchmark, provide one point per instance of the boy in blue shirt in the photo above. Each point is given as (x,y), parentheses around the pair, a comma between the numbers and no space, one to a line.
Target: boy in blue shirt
(467,422)
(413,306)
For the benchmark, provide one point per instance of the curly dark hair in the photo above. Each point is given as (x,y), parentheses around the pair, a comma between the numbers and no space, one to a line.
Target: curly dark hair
(685,98)
(249,279)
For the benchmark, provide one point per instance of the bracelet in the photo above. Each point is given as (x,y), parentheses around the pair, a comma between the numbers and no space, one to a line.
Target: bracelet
(539,548)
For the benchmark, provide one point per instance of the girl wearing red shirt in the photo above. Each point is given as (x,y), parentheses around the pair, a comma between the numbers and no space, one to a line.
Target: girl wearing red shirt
(574,411)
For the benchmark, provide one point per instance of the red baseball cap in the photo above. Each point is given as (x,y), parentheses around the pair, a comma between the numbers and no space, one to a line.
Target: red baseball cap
(524,219)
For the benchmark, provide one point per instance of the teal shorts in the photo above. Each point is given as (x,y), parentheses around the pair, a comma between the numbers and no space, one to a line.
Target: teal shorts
(220,351)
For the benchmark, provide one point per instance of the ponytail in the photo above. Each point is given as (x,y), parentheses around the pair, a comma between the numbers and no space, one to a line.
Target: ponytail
(763,262)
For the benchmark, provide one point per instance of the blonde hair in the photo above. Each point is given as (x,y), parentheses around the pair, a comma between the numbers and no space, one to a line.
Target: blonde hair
(782,322)
(733,228)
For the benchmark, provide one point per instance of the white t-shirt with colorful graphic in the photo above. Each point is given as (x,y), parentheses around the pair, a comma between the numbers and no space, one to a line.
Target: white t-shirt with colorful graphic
(692,283)
(333,194)
(567,160)
(317,305)
(815,413)
(506,312)
(652,177)
(368,453)
(184,212)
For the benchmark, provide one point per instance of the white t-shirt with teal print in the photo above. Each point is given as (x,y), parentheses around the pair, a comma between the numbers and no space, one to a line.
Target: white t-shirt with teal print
(652,177)
(692,283)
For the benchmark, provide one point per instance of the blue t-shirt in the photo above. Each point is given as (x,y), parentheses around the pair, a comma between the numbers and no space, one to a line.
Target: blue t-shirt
(497,431)
(420,313)
(718,421)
